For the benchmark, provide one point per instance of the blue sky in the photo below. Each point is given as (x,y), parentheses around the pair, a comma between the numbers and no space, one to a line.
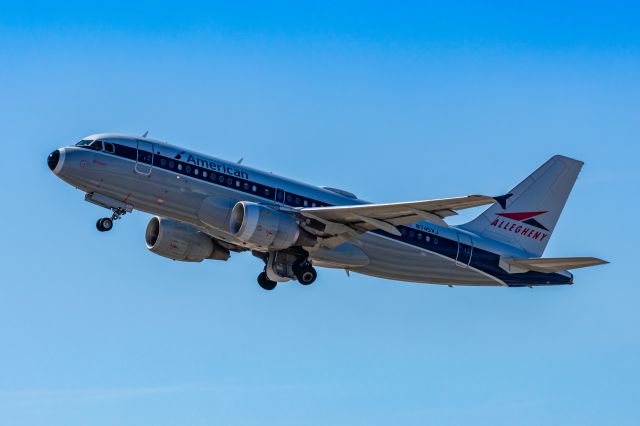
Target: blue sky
(392,102)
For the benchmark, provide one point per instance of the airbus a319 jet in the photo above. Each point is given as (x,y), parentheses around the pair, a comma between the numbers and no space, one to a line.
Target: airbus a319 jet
(206,208)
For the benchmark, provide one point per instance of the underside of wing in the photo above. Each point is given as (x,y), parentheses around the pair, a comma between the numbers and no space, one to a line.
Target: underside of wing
(365,217)
(549,265)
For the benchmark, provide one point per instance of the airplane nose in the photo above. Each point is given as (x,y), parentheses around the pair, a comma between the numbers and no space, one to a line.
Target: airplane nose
(53,159)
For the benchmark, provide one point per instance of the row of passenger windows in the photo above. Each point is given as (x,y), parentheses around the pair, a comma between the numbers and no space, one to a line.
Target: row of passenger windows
(417,235)
(223,179)
(240,184)
(294,200)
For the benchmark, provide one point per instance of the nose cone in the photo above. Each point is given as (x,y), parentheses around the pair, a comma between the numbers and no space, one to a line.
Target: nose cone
(53,159)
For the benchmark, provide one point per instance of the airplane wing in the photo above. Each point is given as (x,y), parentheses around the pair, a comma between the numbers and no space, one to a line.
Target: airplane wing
(354,219)
(552,264)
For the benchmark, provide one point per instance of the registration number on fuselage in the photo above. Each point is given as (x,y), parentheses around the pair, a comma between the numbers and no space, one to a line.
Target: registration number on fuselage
(426,228)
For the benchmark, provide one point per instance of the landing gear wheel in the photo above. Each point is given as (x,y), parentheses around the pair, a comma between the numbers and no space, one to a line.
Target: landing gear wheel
(265,282)
(105,224)
(306,274)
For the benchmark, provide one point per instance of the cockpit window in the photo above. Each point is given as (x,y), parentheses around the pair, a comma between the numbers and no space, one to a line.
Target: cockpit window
(108,147)
(97,145)
(86,143)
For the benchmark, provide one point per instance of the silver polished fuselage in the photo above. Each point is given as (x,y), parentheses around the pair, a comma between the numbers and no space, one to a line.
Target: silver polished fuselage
(170,193)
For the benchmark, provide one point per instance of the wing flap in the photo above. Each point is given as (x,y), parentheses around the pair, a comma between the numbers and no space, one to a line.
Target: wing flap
(551,264)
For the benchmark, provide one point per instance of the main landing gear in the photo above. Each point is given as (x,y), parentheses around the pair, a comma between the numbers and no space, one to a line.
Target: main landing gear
(265,282)
(106,223)
(304,272)
(282,267)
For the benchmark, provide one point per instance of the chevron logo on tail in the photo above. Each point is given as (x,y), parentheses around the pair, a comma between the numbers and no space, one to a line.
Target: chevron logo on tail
(525,217)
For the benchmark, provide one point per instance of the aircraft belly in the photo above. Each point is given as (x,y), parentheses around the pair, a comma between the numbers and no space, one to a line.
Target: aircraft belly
(402,262)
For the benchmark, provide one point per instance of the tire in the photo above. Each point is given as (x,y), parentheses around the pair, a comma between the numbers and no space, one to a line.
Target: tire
(306,275)
(299,266)
(107,224)
(99,226)
(265,282)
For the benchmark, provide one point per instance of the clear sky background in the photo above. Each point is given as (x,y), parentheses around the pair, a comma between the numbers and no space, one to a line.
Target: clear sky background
(391,101)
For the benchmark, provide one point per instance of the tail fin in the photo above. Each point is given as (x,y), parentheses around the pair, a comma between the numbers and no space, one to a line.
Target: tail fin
(526,216)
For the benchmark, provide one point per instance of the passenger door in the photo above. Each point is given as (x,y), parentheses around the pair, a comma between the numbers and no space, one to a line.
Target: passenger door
(465,250)
(144,159)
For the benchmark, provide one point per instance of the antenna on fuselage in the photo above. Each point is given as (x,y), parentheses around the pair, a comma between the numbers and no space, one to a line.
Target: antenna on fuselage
(240,160)
(144,135)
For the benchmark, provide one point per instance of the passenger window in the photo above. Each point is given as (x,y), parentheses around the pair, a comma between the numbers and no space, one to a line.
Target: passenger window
(237,184)
(163,162)
(254,188)
(196,172)
(246,186)
(171,164)
(229,181)
(435,240)
(427,238)
(204,173)
(221,179)
(306,203)
(420,236)
(188,169)
(411,234)
(289,198)
(297,201)
(179,166)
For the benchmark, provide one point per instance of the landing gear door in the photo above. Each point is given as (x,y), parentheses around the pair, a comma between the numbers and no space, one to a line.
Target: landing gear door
(465,250)
(144,160)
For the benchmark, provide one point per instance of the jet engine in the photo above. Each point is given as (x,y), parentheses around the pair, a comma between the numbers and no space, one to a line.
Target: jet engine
(265,228)
(180,241)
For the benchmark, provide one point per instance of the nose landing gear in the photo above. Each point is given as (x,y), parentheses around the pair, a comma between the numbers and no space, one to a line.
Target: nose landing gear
(106,223)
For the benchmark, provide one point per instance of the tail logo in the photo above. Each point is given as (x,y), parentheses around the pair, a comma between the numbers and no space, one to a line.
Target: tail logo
(509,224)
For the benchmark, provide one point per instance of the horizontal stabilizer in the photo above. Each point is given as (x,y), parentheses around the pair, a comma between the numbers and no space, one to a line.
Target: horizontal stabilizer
(550,264)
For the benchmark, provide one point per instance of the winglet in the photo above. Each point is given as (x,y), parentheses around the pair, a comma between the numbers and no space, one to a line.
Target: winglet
(502,200)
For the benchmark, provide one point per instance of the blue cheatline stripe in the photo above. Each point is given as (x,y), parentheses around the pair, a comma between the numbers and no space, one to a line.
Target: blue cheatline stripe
(483,260)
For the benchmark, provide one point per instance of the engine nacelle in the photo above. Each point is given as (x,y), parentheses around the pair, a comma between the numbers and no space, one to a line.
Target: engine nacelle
(181,241)
(266,228)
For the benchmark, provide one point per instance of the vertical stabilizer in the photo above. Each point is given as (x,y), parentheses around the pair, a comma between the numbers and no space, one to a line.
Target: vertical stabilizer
(526,216)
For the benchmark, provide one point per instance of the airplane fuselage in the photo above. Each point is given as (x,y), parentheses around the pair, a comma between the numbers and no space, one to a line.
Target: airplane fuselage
(172,182)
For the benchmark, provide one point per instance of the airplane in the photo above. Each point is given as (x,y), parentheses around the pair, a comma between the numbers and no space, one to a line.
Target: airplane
(206,208)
